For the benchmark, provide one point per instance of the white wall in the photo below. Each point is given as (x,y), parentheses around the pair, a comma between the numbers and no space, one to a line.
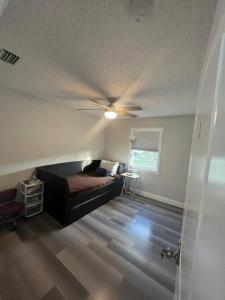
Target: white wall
(202,269)
(35,132)
(176,144)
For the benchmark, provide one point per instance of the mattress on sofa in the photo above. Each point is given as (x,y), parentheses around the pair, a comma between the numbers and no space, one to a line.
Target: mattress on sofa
(85,181)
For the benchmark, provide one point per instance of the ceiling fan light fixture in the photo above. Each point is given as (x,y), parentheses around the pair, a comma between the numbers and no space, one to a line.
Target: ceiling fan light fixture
(110,114)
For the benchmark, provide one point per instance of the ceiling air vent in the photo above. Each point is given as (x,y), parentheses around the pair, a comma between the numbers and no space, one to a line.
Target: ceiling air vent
(8,57)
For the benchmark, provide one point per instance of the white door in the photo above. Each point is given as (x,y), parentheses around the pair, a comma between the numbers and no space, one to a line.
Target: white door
(202,268)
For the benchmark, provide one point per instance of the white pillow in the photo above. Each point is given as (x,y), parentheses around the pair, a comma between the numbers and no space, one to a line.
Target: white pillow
(110,166)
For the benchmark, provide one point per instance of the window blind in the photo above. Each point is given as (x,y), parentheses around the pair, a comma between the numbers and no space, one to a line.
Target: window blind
(145,141)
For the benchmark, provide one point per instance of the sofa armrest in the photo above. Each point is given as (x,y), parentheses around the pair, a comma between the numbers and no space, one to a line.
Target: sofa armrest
(56,191)
(55,184)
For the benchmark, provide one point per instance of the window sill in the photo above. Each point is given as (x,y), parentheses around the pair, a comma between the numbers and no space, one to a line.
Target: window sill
(148,171)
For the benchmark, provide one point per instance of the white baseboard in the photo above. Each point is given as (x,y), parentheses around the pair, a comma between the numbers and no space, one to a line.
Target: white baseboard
(161,199)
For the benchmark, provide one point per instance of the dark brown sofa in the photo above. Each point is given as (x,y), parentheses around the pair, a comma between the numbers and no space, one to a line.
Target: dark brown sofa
(68,207)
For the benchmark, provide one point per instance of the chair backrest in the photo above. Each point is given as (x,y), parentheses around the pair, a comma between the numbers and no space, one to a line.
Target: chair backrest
(8,195)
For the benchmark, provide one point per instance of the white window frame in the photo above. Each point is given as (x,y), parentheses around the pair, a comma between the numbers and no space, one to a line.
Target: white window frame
(152,129)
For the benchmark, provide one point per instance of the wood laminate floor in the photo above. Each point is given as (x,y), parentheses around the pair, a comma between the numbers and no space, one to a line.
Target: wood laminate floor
(111,254)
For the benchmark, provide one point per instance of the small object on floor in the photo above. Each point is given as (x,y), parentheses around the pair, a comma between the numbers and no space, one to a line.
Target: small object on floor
(10,210)
(169,253)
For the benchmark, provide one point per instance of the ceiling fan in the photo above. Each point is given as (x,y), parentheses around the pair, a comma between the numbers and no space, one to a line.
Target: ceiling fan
(111,110)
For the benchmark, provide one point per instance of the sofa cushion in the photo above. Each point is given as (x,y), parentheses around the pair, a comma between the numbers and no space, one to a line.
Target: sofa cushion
(110,166)
(83,181)
(102,172)
(92,166)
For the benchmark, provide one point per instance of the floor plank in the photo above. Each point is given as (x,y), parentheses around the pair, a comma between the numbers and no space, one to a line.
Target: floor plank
(111,254)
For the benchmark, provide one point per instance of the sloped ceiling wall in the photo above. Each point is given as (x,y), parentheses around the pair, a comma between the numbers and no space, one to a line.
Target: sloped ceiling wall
(34,132)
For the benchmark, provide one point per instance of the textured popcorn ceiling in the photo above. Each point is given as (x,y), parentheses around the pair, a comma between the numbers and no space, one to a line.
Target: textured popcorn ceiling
(74,49)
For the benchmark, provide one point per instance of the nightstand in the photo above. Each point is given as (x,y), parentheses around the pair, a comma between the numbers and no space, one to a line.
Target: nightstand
(31,194)
(130,183)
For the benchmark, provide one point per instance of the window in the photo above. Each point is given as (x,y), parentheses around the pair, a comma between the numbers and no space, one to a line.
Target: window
(145,160)
(145,149)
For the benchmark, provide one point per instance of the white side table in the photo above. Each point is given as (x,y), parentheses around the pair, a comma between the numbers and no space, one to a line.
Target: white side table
(130,183)
(31,194)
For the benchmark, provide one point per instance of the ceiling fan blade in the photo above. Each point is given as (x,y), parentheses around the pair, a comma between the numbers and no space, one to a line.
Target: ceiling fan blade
(112,100)
(98,102)
(90,109)
(129,108)
(125,113)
